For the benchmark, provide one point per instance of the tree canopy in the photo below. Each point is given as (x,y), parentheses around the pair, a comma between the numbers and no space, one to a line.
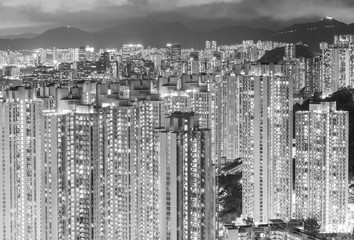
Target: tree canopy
(312,226)
(230,197)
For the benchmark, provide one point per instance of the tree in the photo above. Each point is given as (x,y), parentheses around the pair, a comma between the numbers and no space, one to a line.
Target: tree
(293,223)
(257,236)
(230,197)
(311,225)
(248,221)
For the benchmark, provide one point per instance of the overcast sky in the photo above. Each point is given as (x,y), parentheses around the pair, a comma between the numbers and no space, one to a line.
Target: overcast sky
(38,15)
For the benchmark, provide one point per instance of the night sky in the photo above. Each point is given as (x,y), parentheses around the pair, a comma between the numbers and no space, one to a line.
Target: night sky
(18,16)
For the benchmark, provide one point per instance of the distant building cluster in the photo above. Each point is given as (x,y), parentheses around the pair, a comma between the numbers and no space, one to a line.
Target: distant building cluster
(337,64)
(129,143)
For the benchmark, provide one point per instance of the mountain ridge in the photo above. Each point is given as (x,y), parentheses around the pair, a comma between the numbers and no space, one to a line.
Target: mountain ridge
(21,35)
(277,54)
(157,34)
(313,33)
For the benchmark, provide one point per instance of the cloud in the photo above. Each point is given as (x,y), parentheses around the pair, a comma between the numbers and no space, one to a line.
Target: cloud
(51,6)
(288,9)
(86,5)
(94,14)
(282,10)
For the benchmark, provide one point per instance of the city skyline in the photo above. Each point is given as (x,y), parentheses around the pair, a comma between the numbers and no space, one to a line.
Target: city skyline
(191,129)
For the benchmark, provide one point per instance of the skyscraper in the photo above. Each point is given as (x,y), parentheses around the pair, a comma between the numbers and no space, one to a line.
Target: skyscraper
(36,162)
(227,114)
(313,81)
(265,146)
(321,167)
(131,52)
(128,164)
(207,45)
(290,51)
(174,56)
(114,185)
(214,46)
(82,54)
(20,158)
(52,181)
(192,95)
(187,190)
(150,116)
(78,147)
(337,68)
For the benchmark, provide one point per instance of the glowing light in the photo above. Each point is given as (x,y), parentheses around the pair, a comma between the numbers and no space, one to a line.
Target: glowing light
(90,49)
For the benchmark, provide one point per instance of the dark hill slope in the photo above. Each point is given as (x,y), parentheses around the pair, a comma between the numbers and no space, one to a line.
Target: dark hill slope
(276,55)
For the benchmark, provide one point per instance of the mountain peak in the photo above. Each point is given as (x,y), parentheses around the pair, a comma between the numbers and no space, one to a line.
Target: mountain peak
(331,20)
(312,33)
(62,37)
(329,17)
(64,29)
(309,26)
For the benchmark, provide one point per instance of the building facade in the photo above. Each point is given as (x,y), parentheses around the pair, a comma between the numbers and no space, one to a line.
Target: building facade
(321,169)
(266,146)
(187,190)
(20,158)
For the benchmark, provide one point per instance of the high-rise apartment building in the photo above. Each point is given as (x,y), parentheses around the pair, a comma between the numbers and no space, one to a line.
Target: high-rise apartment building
(150,116)
(214,46)
(52,178)
(82,54)
(187,190)
(128,166)
(344,39)
(337,68)
(207,45)
(227,115)
(125,168)
(321,166)
(131,51)
(114,172)
(290,51)
(265,146)
(174,56)
(79,172)
(70,149)
(78,147)
(189,94)
(20,159)
(312,69)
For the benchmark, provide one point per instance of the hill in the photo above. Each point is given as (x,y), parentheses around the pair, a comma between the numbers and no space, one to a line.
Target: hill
(276,55)
(64,37)
(22,35)
(313,33)
(157,35)
(151,32)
